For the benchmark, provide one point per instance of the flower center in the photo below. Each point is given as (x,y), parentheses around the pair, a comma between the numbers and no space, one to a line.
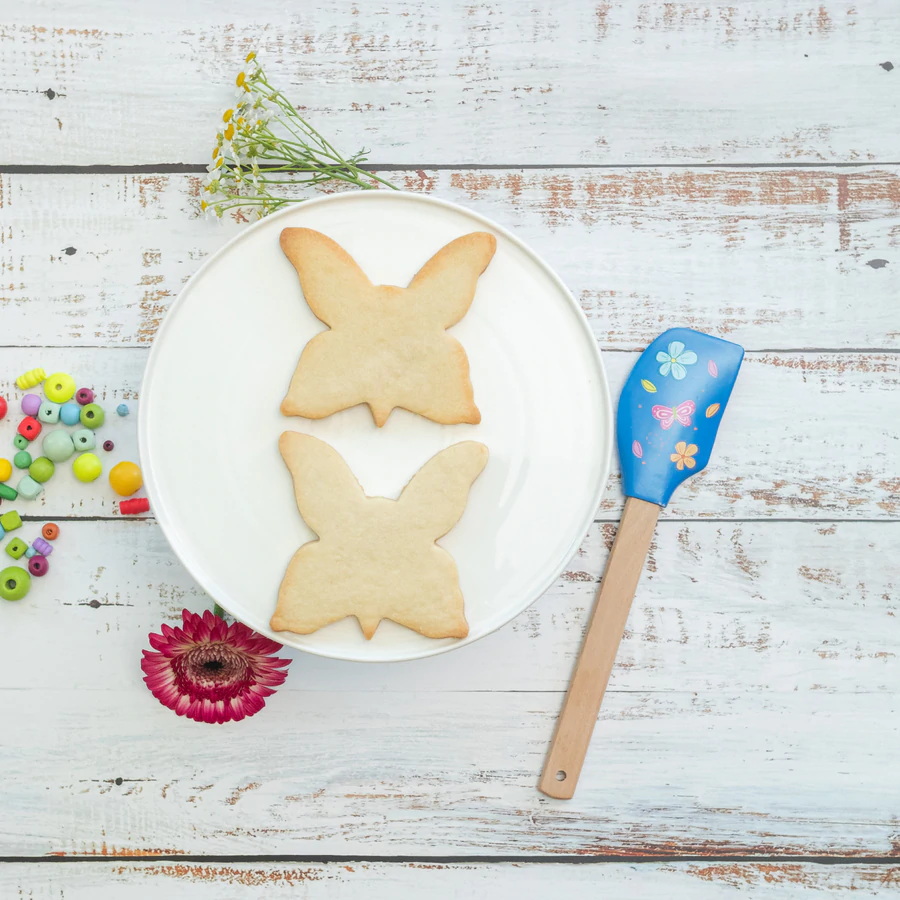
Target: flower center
(213,671)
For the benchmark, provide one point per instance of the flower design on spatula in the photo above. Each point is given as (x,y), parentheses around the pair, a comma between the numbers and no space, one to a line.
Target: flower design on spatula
(674,359)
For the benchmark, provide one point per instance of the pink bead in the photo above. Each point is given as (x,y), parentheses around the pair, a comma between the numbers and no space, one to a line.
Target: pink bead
(84,396)
(45,548)
(31,403)
(38,566)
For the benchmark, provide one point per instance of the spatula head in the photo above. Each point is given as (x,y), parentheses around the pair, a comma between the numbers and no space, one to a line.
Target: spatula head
(670,410)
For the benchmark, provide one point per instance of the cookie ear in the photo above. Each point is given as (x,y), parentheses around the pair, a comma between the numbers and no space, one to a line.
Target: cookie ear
(436,496)
(331,280)
(445,285)
(328,496)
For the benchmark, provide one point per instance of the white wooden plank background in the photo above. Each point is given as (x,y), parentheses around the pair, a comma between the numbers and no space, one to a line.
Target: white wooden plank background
(386,881)
(458,82)
(753,713)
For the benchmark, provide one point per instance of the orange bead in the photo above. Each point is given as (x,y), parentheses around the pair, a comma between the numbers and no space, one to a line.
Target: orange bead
(50,531)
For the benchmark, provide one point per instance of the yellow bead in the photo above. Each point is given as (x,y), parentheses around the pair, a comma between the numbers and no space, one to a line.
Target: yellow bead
(5,469)
(125,478)
(30,379)
(59,387)
(87,467)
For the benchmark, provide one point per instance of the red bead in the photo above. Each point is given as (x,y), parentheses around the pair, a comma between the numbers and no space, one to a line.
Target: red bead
(3,407)
(133,507)
(29,428)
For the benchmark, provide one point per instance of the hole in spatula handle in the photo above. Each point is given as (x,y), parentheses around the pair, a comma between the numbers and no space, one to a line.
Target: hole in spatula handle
(560,775)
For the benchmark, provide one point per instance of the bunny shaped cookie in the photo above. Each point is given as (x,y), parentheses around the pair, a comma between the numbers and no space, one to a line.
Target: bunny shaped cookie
(387,346)
(375,558)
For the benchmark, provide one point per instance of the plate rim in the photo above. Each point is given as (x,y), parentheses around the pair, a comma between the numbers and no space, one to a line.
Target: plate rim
(158,508)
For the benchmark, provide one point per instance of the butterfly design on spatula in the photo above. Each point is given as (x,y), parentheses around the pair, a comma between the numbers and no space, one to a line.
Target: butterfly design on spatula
(375,558)
(387,346)
(669,415)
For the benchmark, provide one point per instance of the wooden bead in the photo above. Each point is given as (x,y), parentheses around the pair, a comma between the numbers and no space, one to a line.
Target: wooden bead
(133,507)
(50,531)
(41,469)
(5,469)
(83,396)
(22,460)
(84,439)
(4,406)
(92,415)
(28,488)
(15,583)
(16,548)
(30,379)
(126,479)
(59,387)
(11,520)
(31,403)
(20,442)
(70,413)
(29,428)
(48,413)
(7,492)
(42,546)
(38,566)
(58,446)
(87,467)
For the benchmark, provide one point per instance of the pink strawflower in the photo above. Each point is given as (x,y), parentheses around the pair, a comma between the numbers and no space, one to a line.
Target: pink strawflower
(210,671)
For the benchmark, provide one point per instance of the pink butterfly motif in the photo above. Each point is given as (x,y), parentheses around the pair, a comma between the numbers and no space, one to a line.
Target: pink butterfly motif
(637,449)
(668,414)
(712,368)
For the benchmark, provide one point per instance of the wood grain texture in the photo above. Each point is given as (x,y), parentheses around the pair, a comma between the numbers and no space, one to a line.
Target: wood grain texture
(410,773)
(600,82)
(781,258)
(788,413)
(751,607)
(148,880)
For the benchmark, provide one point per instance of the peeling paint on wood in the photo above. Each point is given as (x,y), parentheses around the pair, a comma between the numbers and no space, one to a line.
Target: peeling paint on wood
(768,258)
(387,881)
(454,82)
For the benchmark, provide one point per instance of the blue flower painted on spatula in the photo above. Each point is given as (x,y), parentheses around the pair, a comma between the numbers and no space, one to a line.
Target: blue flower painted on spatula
(675,359)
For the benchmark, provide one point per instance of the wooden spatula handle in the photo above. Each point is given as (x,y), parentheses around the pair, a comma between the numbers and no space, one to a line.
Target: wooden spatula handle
(598,652)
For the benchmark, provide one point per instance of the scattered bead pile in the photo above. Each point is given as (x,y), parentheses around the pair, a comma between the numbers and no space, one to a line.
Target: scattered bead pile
(63,405)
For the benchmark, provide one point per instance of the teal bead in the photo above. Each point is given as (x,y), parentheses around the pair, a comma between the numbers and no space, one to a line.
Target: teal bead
(30,552)
(70,413)
(22,460)
(28,488)
(48,413)
(92,415)
(15,583)
(16,548)
(84,439)
(20,442)
(58,446)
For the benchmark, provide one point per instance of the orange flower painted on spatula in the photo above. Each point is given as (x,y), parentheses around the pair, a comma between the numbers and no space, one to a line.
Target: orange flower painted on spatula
(683,455)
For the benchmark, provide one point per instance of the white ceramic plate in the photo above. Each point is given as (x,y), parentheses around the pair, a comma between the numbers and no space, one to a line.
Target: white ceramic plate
(221,363)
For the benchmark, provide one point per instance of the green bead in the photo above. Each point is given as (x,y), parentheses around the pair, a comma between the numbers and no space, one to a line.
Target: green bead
(7,492)
(87,467)
(15,583)
(16,548)
(84,439)
(92,415)
(22,460)
(48,413)
(20,442)
(11,521)
(42,469)
(58,446)
(28,488)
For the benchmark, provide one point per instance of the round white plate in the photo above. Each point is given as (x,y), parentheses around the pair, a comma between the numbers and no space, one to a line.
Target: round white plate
(222,361)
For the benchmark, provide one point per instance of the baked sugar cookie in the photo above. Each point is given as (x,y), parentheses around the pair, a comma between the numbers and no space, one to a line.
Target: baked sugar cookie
(375,558)
(388,346)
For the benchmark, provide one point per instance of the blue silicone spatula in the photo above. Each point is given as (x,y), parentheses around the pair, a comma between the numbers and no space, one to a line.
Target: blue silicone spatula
(668,417)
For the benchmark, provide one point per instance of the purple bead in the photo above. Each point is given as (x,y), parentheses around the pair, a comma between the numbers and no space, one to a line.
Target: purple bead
(31,403)
(84,396)
(108,445)
(38,566)
(43,547)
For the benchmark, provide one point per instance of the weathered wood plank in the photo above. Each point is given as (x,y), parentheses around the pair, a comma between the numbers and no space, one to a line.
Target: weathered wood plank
(722,607)
(459,83)
(414,773)
(788,412)
(783,258)
(148,880)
